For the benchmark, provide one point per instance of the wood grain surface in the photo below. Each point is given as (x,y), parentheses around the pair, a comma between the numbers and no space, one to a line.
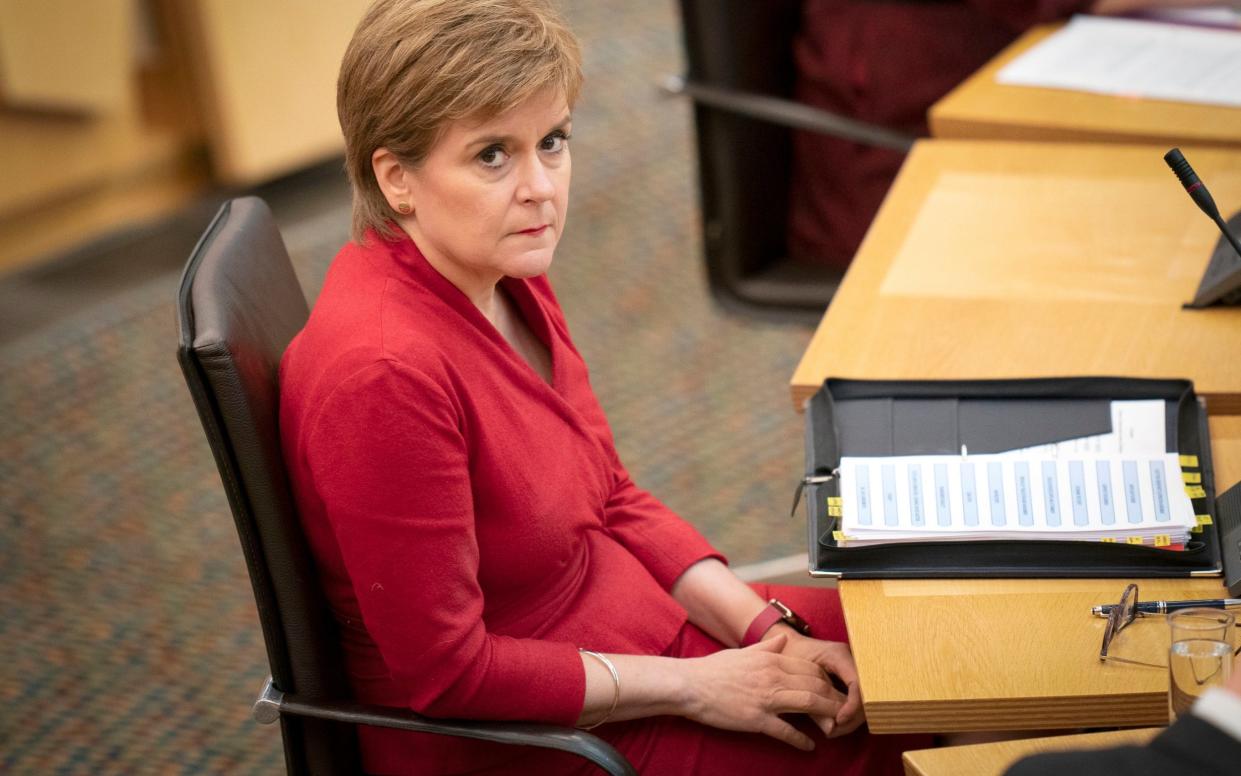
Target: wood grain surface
(1006,654)
(1008,260)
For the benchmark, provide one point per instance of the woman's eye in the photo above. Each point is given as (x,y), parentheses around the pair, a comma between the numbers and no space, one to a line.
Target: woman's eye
(555,142)
(493,156)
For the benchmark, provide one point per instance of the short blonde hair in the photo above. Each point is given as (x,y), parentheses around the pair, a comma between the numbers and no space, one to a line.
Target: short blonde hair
(413,66)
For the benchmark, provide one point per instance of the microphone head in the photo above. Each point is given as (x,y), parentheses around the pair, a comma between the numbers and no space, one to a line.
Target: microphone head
(1189,179)
(1180,165)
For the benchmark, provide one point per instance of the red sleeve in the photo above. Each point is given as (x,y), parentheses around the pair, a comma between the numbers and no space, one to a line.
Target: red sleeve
(389,460)
(659,538)
(1020,15)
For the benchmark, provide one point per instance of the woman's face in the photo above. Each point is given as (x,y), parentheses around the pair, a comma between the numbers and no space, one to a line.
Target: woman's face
(490,199)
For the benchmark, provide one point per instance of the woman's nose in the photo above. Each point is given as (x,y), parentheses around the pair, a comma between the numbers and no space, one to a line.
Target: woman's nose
(536,183)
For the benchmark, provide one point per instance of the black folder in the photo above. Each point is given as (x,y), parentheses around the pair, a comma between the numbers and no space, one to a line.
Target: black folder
(889,418)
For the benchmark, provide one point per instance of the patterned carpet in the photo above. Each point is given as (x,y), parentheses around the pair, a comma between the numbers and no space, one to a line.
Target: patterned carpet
(129,638)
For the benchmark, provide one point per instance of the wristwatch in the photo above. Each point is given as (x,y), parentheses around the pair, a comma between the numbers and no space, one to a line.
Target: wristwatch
(775,612)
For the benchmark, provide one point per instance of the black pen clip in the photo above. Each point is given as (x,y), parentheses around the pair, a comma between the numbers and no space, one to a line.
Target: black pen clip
(801,485)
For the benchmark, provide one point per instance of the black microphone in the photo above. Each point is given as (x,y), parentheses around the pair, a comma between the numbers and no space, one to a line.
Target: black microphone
(1198,191)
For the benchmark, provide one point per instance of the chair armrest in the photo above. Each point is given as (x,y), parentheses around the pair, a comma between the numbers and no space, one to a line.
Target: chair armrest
(272,703)
(788,113)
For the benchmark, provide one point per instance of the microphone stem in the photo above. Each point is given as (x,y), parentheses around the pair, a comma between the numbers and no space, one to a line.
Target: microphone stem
(1223,227)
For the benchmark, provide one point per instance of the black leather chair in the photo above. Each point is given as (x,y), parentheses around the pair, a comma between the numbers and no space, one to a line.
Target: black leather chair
(239,305)
(740,77)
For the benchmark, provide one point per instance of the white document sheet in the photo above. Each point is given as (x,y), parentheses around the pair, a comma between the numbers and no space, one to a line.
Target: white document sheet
(1135,58)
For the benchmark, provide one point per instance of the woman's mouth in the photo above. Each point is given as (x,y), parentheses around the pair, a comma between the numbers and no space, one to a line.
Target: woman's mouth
(535,231)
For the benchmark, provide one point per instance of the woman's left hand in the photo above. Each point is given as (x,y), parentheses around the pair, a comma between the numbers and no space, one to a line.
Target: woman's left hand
(836,659)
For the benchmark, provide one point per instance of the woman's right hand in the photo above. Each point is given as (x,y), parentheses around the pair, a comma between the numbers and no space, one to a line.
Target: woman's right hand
(747,689)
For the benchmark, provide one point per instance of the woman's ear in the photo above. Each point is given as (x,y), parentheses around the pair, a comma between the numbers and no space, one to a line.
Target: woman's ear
(393,181)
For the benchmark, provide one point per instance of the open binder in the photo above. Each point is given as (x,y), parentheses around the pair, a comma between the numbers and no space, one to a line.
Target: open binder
(901,418)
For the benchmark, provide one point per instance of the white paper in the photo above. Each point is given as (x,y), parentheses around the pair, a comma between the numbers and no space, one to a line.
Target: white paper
(1135,58)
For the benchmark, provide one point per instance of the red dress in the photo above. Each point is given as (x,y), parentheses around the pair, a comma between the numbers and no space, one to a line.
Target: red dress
(473,526)
(884,62)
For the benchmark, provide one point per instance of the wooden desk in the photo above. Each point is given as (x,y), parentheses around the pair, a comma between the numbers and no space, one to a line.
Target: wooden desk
(994,759)
(1014,654)
(1005,654)
(992,260)
(981,109)
(1011,260)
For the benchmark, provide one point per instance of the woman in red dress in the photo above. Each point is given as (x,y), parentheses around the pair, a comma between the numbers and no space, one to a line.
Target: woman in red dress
(483,548)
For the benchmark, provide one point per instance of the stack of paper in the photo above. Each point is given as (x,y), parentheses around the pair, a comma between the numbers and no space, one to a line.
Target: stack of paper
(1121,487)
(1135,59)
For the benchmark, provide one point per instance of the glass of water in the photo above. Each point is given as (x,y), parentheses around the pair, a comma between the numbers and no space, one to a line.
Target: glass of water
(1200,655)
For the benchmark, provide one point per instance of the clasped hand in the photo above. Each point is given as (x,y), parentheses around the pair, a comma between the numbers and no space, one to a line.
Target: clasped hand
(747,689)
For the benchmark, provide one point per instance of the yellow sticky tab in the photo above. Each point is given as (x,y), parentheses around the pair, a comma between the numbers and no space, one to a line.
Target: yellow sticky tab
(1189,460)
(1134,540)
(833,512)
(1108,540)
(1163,540)
(1191,478)
(833,501)
(1195,491)
(839,536)
(1204,519)
(1196,529)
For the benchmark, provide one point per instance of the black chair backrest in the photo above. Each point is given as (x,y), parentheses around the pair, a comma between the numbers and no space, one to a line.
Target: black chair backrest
(741,44)
(744,163)
(239,305)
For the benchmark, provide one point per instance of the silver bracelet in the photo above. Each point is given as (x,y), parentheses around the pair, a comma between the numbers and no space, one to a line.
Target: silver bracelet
(615,686)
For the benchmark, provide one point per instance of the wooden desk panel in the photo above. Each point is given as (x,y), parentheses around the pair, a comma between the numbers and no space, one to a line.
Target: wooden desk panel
(1010,654)
(998,260)
(266,78)
(993,759)
(981,109)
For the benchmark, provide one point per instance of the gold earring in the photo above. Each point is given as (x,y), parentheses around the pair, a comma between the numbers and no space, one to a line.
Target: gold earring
(403,208)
